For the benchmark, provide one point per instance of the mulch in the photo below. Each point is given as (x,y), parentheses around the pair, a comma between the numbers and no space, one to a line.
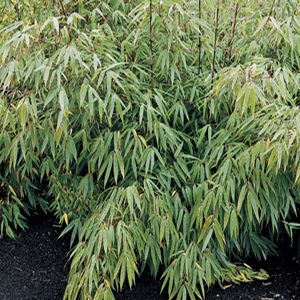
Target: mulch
(35,266)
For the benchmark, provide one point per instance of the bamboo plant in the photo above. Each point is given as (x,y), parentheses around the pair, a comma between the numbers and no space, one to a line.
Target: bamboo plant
(165,134)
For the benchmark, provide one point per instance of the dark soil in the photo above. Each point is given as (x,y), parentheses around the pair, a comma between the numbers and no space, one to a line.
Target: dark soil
(283,284)
(34,266)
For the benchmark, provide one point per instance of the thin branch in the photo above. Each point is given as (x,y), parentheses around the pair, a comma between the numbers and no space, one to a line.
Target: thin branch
(233,30)
(199,37)
(62,8)
(269,15)
(151,45)
(215,41)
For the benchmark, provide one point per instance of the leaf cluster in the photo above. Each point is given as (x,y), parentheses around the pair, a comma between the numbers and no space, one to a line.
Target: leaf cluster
(161,138)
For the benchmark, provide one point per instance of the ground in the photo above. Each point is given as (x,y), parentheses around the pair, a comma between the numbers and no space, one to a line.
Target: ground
(34,266)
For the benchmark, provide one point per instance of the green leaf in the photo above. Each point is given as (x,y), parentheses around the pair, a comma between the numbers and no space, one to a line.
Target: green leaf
(207,239)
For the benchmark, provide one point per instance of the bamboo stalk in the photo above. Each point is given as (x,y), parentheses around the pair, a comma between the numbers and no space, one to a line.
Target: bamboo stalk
(233,30)
(62,8)
(269,14)
(216,25)
(199,37)
(151,45)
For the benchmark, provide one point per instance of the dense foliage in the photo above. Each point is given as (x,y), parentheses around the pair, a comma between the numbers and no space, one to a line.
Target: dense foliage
(165,134)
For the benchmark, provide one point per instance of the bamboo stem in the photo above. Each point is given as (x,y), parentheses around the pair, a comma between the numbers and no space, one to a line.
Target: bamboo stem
(151,45)
(270,13)
(230,42)
(199,37)
(62,8)
(216,25)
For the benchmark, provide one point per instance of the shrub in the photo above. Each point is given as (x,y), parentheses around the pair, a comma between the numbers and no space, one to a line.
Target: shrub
(163,133)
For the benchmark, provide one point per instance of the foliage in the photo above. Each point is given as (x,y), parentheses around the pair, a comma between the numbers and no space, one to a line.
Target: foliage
(164,133)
